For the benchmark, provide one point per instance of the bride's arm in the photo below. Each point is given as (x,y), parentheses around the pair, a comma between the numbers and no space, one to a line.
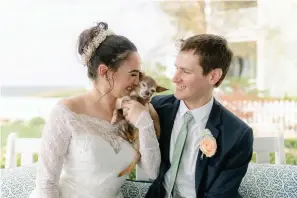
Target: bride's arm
(54,144)
(148,145)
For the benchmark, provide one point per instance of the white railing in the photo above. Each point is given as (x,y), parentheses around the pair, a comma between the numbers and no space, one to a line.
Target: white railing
(29,146)
(267,118)
(26,147)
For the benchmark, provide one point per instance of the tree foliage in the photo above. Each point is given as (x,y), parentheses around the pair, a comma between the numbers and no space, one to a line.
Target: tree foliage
(187,16)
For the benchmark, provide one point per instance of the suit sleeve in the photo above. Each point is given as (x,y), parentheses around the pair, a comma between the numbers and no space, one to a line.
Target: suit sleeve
(155,103)
(226,185)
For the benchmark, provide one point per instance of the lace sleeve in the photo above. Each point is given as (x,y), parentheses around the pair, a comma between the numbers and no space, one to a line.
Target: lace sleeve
(148,145)
(54,143)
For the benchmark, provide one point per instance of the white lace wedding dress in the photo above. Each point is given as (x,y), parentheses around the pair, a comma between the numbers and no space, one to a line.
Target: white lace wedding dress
(81,156)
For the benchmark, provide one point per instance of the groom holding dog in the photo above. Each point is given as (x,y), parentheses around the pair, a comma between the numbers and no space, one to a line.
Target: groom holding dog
(205,149)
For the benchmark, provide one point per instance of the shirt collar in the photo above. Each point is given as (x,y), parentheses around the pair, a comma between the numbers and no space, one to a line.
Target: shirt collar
(199,113)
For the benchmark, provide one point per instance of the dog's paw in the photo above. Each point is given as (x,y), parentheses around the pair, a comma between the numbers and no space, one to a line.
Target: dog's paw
(125,98)
(114,117)
(117,116)
(113,121)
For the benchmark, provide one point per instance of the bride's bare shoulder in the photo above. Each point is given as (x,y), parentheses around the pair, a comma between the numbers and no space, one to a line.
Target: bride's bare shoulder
(74,103)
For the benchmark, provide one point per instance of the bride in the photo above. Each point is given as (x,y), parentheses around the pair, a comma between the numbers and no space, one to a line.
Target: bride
(81,153)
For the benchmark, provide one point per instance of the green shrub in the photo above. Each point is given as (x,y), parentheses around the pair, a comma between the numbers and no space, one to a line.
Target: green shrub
(132,175)
(36,121)
(18,160)
(2,162)
(291,159)
(22,130)
(16,122)
(291,143)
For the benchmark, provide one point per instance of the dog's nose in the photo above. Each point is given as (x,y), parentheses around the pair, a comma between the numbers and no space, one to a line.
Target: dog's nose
(147,93)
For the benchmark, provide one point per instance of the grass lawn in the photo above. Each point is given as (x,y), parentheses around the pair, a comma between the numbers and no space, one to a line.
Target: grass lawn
(24,130)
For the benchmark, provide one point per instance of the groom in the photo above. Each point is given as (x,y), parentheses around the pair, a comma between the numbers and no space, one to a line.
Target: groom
(192,117)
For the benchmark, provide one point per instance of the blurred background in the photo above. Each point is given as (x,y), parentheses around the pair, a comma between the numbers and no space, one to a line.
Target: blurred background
(39,63)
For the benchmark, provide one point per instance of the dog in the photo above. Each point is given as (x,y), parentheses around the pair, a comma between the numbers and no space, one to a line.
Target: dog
(146,88)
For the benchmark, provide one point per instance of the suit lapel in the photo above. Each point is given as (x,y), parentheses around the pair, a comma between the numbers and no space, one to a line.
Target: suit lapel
(213,125)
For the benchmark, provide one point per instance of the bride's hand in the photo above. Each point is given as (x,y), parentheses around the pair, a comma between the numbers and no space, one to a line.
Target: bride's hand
(132,110)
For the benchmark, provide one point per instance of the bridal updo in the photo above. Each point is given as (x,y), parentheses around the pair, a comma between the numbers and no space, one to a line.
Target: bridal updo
(99,45)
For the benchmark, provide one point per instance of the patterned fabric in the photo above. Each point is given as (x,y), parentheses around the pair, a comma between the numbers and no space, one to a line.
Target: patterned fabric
(17,182)
(261,181)
(269,181)
(135,189)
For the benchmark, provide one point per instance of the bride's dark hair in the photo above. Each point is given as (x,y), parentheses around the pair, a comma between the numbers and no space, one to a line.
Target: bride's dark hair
(112,51)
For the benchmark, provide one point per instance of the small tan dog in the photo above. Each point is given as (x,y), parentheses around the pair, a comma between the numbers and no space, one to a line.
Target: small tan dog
(142,93)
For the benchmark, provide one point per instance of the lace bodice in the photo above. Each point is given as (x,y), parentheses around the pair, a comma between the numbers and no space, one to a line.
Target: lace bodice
(83,155)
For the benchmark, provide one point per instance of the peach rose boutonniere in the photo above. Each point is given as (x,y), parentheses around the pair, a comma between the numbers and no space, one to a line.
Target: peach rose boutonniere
(207,144)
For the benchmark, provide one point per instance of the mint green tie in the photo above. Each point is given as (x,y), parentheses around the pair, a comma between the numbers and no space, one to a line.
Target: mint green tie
(178,149)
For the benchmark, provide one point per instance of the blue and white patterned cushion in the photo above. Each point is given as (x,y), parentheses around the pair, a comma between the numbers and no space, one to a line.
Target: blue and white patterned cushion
(269,181)
(135,189)
(261,181)
(17,182)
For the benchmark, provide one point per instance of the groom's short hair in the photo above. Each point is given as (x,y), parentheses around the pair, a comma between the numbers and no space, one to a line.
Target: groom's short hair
(213,52)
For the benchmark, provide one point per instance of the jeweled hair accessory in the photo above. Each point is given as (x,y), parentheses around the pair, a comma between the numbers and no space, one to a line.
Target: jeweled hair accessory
(101,33)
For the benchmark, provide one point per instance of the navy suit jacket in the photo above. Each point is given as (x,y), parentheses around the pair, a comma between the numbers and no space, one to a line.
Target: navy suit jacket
(220,175)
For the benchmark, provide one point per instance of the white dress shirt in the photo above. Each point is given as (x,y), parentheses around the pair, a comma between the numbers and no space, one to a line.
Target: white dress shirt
(185,180)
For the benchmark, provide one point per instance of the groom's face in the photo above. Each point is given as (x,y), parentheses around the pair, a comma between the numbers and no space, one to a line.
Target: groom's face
(190,82)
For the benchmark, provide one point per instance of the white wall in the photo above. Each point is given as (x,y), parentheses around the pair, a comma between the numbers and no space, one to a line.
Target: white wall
(277,60)
(277,57)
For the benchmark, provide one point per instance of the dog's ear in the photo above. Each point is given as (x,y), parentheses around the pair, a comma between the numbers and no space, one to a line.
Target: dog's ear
(160,89)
